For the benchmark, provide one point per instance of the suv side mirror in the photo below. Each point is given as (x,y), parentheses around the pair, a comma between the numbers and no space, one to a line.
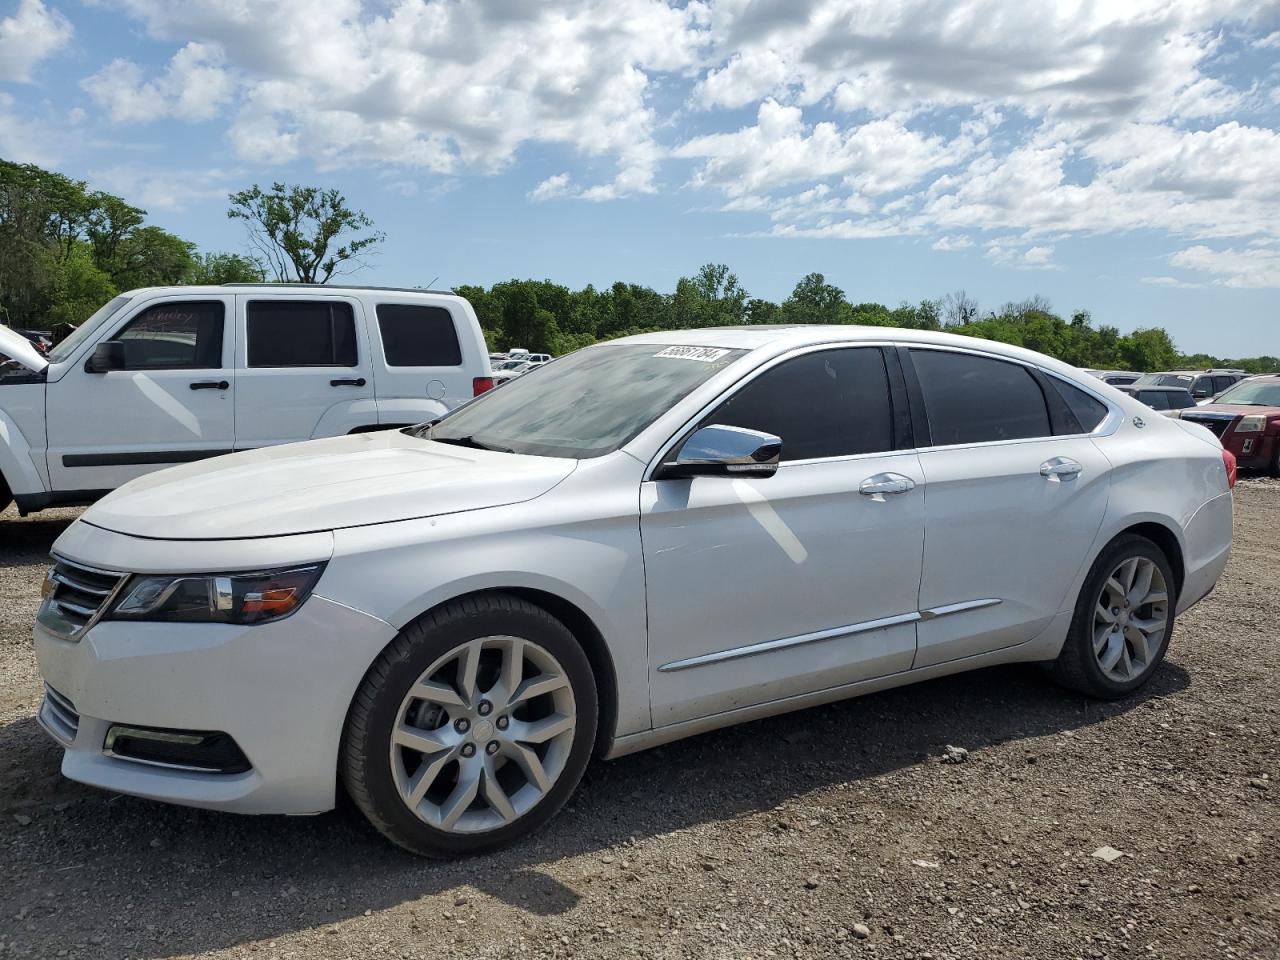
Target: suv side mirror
(108,355)
(719,451)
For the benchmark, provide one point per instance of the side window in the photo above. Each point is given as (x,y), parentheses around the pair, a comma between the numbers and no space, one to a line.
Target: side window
(301,333)
(972,399)
(1155,399)
(175,336)
(828,404)
(418,336)
(1181,400)
(1221,383)
(1088,411)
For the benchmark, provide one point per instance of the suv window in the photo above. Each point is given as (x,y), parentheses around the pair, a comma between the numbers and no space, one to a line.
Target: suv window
(301,333)
(418,336)
(828,404)
(972,399)
(1221,383)
(175,336)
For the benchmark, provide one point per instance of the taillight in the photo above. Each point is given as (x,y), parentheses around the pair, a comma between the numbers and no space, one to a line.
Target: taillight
(1233,473)
(481,385)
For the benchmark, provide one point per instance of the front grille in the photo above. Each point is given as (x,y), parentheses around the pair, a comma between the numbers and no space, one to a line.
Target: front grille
(59,716)
(1218,425)
(74,594)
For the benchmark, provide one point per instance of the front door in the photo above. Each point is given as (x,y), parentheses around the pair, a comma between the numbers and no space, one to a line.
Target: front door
(305,369)
(1015,500)
(763,589)
(173,402)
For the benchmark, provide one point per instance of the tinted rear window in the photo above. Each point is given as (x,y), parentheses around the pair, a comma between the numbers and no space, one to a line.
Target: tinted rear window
(1088,411)
(301,333)
(971,399)
(828,404)
(414,335)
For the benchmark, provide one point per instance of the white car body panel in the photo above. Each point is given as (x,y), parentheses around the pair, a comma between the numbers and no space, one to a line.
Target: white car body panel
(17,347)
(840,594)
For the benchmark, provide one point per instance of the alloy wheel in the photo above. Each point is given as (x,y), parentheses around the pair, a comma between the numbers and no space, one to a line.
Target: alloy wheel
(1131,618)
(483,734)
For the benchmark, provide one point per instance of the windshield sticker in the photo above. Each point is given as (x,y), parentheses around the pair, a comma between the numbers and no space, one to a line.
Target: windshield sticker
(701,354)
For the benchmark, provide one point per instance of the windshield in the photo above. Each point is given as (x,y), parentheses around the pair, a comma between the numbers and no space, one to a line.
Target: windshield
(584,405)
(67,347)
(1164,380)
(1255,393)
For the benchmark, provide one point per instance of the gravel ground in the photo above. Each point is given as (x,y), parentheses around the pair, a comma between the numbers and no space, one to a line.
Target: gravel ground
(839,831)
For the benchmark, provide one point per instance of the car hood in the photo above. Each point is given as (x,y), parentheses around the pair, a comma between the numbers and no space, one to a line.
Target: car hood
(17,347)
(322,485)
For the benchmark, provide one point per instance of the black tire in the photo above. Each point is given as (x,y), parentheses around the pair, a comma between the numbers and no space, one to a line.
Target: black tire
(1077,666)
(6,496)
(1274,468)
(365,763)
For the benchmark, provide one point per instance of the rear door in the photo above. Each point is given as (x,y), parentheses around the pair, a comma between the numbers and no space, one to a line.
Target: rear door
(173,402)
(304,368)
(1015,494)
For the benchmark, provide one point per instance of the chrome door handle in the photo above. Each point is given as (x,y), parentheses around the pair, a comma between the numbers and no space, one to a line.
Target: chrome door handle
(1060,468)
(886,485)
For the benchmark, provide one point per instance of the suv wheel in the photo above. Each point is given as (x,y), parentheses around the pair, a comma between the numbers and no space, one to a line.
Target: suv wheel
(1123,621)
(472,728)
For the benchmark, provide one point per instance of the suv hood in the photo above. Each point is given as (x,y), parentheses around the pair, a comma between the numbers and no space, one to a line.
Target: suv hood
(17,347)
(347,481)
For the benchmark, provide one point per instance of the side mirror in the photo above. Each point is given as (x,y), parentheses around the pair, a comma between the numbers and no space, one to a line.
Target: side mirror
(718,451)
(108,355)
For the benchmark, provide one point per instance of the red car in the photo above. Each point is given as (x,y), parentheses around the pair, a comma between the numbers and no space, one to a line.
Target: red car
(1246,418)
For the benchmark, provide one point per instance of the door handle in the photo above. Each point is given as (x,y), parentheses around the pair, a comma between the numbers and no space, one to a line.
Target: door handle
(886,485)
(1060,468)
(349,382)
(210,385)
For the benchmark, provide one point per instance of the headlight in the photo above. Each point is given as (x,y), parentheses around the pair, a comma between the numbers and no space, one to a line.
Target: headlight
(1254,423)
(256,597)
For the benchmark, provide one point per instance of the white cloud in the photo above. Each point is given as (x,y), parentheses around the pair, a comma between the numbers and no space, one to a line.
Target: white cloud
(194,86)
(551,188)
(1010,252)
(952,242)
(157,188)
(1256,266)
(31,35)
(1167,281)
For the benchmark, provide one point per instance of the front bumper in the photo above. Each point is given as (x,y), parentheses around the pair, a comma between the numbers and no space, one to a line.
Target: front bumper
(280,690)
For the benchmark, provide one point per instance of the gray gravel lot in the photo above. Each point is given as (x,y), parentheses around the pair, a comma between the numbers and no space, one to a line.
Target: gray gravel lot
(837,831)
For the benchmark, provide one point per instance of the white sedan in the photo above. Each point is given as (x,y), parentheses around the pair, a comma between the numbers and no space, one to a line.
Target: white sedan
(652,538)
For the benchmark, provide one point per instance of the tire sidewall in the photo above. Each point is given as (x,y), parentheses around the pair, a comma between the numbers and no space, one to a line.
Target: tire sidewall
(1082,627)
(427,644)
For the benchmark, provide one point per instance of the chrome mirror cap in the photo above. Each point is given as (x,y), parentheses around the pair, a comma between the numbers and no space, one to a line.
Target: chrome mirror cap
(720,451)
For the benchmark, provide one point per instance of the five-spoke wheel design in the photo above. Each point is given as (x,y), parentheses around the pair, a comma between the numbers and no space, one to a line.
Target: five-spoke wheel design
(1130,619)
(483,734)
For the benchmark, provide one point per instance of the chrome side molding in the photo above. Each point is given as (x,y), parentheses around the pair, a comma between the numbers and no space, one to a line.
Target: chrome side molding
(867,626)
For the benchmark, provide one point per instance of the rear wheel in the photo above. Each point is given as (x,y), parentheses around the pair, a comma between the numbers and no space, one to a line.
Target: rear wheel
(1123,621)
(1275,460)
(472,728)
(6,496)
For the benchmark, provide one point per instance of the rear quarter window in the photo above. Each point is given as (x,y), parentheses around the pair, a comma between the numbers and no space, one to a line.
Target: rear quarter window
(417,335)
(972,399)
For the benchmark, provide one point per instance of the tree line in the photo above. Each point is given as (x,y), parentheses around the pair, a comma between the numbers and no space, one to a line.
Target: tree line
(66,249)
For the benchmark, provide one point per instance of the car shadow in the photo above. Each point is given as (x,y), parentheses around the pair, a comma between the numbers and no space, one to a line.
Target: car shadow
(182,881)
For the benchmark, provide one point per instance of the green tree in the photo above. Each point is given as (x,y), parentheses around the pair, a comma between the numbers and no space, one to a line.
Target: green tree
(1148,349)
(815,301)
(225,268)
(299,231)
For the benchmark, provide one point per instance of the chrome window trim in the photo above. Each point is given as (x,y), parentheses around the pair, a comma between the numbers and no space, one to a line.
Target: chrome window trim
(866,626)
(666,448)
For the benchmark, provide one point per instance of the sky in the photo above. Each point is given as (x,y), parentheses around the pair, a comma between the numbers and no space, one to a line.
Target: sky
(1118,156)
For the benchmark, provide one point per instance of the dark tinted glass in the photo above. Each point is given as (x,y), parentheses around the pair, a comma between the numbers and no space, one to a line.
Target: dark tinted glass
(303,333)
(828,404)
(418,336)
(1156,399)
(175,336)
(1088,411)
(1221,383)
(972,399)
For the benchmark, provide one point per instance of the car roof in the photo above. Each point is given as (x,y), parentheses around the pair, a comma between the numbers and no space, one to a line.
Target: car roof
(1151,388)
(208,288)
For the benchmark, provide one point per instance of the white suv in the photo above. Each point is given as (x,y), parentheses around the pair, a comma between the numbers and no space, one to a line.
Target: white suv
(647,539)
(169,375)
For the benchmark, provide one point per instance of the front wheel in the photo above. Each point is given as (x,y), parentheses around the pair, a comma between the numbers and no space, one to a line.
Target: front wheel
(472,728)
(1123,621)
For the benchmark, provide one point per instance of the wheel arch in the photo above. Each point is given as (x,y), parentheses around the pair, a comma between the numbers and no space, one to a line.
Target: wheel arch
(1164,538)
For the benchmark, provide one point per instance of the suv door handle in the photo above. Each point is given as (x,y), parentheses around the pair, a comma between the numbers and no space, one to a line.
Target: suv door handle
(1060,468)
(349,382)
(210,385)
(886,484)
